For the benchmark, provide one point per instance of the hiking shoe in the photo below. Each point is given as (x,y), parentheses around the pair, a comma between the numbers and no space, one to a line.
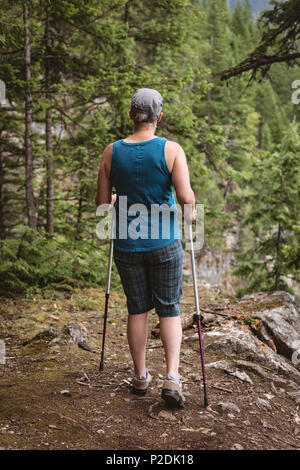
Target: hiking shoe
(140,385)
(172,392)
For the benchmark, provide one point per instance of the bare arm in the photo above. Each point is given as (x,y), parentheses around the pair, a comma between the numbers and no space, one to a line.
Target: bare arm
(181,180)
(103,195)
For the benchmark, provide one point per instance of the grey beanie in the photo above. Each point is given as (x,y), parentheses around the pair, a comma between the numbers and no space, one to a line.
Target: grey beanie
(148,101)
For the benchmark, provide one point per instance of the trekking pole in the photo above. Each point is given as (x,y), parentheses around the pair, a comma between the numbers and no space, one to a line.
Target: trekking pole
(111,246)
(198,314)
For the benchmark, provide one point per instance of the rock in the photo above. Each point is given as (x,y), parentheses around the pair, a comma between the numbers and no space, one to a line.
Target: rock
(55,349)
(261,331)
(214,266)
(73,332)
(226,406)
(263,404)
(190,339)
(227,367)
(252,367)
(280,315)
(206,431)
(268,426)
(269,396)
(293,385)
(261,372)
(167,415)
(45,335)
(232,340)
(237,446)
(195,377)
(86,347)
(295,396)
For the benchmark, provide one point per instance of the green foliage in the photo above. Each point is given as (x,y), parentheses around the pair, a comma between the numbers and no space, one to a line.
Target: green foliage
(37,261)
(271,255)
(99,53)
(279,29)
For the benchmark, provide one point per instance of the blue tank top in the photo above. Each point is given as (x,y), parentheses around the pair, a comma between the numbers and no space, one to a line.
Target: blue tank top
(146,217)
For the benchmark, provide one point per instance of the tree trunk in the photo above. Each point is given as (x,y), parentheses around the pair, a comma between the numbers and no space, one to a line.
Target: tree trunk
(211,65)
(260,127)
(126,14)
(2,215)
(31,210)
(49,149)
(79,214)
(278,255)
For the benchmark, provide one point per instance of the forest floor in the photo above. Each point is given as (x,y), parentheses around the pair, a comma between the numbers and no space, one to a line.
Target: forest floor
(56,398)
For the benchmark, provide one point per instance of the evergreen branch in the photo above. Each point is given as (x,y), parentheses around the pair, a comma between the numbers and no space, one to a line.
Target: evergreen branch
(11,52)
(69,117)
(256,62)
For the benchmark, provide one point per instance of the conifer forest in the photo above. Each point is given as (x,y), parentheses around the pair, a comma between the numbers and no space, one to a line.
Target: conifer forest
(229,75)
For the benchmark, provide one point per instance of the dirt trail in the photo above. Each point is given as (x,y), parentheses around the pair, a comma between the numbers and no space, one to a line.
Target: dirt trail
(57,399)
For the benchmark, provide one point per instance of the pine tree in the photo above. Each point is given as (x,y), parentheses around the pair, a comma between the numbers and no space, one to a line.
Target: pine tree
(279,41)
(272,217)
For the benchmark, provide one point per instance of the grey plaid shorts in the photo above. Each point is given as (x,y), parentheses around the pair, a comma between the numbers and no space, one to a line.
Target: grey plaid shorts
(152,279)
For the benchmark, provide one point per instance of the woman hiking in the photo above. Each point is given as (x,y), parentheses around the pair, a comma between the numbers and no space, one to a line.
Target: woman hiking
(144,169)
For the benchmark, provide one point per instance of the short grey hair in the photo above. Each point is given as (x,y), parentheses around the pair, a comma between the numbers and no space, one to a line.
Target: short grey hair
(140,117)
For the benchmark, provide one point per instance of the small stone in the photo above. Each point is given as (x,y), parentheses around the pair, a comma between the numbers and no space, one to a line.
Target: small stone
(195,377)
(55,349)
(237,446)
(295,396)
(268,426)
(269,396)
(66,393)
(205,431)
(227,406)
(293,385)
(263,404)
(100,431)
(167,415)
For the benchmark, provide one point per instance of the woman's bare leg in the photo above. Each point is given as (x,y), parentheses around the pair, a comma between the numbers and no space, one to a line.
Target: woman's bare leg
(137,339)
(171,335)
